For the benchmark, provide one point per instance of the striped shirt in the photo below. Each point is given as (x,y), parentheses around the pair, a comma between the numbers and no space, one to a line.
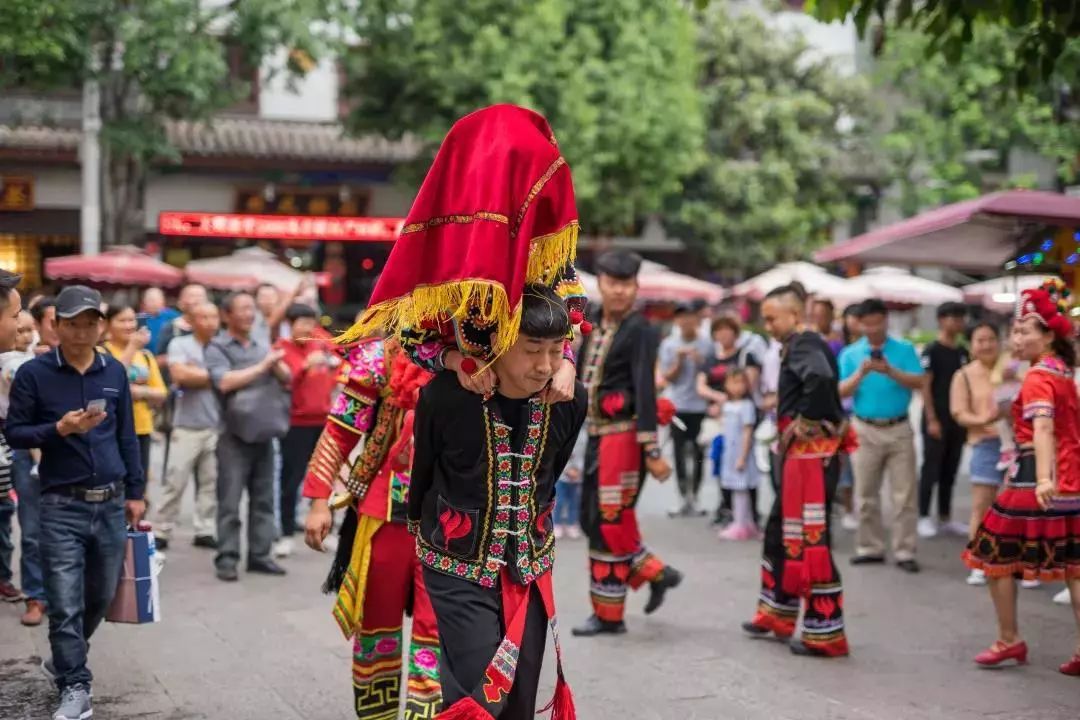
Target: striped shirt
(5,467)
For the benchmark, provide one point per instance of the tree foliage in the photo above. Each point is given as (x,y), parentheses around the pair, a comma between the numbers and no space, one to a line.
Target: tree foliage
(1042,28)
(952,125)
(615,80)
(783,137)
(153,60)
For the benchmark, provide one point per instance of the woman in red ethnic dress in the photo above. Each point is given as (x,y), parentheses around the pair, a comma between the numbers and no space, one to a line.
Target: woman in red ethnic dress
(1033,529)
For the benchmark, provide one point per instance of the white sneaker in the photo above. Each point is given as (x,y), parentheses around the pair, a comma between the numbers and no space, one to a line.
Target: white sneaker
(283,548)
(573,532)
(1063,597)
(559,532)
(955,528)
(977,577)
(849,522)
(927,527)
(330,543)
(1030,584)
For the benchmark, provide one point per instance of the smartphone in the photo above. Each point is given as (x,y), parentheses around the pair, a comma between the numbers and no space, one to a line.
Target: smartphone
(877,354)
(96,407)
(140,320)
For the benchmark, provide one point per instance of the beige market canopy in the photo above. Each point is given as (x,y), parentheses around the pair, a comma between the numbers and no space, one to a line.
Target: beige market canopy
(245,269)
(814,278)
(896,285)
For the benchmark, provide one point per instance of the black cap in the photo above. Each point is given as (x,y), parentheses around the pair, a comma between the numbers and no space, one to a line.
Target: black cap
(77,299)
(621,264)
(684,308)
(952,309)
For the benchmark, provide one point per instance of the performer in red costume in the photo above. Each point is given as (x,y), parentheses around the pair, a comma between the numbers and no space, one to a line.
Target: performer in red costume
(494,216)
(797,567)
(619,370)
(1032,531)
(366,448)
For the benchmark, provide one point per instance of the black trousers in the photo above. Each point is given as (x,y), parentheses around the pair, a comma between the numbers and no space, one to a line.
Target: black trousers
(471,628)
(941,460)
(685,442)
(144,454)
(296,451)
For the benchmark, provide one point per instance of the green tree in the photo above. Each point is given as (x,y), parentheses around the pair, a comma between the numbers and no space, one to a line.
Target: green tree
(154,60)
(953,125)
(615,80)
(1041,28)
(783,133)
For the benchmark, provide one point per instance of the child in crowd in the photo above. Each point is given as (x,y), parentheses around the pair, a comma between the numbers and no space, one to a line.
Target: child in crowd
(739,470)
(568,492)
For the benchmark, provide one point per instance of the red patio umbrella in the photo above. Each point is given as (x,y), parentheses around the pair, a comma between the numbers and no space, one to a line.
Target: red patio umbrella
(978,235)
(121,266)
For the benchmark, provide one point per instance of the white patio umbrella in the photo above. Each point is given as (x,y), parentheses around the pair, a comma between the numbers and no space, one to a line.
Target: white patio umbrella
(897,285)
(999,294)
(245,269)
(815,279)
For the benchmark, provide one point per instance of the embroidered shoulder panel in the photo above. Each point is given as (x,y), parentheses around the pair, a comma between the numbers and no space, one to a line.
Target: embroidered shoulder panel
(511,514)
(1054,365)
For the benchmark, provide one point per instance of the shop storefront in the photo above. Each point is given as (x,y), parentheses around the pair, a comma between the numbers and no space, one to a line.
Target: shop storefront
(30,234)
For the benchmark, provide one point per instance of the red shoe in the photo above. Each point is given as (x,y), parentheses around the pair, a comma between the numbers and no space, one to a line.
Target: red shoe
(999,652)
(1072,667)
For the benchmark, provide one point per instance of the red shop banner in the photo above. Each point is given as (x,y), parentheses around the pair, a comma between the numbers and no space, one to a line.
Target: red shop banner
(280,227)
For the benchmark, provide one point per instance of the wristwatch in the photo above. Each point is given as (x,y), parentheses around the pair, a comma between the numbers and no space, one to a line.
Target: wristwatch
(653,453)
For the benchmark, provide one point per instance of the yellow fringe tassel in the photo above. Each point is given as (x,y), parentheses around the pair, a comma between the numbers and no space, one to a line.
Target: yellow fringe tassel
(453,299)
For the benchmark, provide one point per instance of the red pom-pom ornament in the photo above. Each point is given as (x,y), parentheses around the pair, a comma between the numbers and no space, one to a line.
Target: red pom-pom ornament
(576,316)
(468,366)
(586,327)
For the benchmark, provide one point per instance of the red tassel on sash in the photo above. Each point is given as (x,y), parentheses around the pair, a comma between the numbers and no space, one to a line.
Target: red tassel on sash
(465,709)
(562,703)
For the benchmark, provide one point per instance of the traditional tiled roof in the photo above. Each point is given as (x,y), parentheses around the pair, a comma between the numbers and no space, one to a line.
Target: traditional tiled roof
(237,137)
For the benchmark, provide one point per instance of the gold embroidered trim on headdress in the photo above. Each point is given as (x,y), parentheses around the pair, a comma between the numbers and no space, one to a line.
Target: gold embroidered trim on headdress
(459,219)
(536,188)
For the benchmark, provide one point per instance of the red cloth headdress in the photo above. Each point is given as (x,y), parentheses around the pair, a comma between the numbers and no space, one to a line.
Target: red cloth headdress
(495,212)
(1048,304)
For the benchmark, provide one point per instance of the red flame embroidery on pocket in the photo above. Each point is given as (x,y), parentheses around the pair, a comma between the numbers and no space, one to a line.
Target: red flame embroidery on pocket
(454,525)
(612,404)
(541,519)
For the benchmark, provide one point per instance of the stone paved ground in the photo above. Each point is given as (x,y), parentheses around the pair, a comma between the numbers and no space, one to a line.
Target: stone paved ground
(267,648)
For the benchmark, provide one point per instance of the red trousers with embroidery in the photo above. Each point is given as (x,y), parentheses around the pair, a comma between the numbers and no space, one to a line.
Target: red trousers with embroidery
(778,611)
(618,558)
(395,586)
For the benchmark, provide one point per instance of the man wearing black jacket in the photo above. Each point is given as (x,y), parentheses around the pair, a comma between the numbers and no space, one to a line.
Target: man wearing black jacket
(618,366)
(480,503)
(74,403)
(797,566)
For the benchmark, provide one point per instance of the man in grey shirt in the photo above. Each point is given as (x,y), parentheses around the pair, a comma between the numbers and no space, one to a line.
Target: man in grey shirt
(196,421)
(682,356)
(248,377)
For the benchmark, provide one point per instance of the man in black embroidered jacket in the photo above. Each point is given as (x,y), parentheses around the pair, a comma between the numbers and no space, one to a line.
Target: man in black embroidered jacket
(796,565)
(480,503)
(618,366)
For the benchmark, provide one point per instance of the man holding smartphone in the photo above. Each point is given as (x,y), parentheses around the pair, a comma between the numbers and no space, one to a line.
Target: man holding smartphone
(882,372)
(74,403)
